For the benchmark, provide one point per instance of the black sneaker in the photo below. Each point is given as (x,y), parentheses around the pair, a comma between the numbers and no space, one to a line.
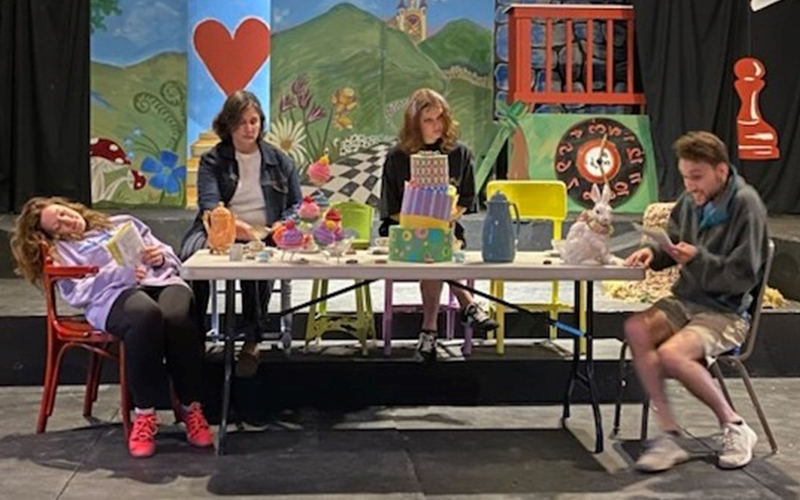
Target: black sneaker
(475,317)
(426,347)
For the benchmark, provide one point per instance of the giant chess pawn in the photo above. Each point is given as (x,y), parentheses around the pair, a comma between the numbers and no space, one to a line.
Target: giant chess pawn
(757,138)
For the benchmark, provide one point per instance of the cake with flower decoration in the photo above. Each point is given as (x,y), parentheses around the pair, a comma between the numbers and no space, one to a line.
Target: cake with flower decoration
(424,233)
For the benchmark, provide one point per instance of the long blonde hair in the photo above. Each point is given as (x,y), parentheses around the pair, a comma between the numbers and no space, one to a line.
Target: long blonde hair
(28,236)
(410,138)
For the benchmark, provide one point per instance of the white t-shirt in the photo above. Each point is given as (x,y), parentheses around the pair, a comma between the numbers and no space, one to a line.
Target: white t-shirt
(248,202)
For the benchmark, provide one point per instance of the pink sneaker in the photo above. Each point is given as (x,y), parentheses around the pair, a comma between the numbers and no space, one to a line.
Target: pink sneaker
(198,432)
(142,441)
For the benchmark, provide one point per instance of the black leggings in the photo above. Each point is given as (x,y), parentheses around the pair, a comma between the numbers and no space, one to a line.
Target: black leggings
(156,324)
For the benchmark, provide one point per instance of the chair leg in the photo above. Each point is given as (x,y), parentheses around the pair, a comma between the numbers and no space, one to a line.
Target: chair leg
(500,310)
(92,383)
(49,385)
(466,348)
(756,403)
(388,305)
(311,322)
(645,417)
(125,405)
(622,383)
(716,371)
(175,403)
(450,324)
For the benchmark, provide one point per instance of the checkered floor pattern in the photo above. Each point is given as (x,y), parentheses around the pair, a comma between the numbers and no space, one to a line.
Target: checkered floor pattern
(356,177)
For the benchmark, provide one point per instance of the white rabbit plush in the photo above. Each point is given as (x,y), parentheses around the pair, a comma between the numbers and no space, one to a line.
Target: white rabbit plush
(587,240)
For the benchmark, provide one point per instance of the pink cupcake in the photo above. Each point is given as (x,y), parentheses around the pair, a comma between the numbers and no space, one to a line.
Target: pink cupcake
(309,210)
(319,172)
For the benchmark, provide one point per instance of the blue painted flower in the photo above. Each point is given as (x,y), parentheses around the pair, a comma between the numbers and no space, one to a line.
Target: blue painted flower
(166,175)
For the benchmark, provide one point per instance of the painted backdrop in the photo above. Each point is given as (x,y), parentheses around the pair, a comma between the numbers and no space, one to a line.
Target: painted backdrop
(138,102)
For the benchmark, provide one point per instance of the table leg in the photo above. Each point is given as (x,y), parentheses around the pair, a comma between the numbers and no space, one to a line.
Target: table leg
(228,356)
(590,382)
(573,372)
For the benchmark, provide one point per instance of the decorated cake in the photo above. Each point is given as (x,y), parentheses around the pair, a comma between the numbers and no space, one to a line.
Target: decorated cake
(424,233)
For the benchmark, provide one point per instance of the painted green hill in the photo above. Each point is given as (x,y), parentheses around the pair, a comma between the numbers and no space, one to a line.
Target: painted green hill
(461,43)
(114,116)
(347,46)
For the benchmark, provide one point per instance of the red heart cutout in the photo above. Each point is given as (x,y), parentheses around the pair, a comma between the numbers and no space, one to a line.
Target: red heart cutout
(232,61)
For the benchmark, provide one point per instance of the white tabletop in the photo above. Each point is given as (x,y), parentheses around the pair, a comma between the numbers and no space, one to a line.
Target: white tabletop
(528,266)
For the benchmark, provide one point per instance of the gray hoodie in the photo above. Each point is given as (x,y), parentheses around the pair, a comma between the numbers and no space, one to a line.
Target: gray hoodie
(732,247)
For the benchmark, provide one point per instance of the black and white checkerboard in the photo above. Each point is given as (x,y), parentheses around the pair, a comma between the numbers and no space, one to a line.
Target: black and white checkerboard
(355,177)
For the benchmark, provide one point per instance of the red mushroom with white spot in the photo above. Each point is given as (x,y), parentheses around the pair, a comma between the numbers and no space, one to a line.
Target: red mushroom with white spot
(105,156)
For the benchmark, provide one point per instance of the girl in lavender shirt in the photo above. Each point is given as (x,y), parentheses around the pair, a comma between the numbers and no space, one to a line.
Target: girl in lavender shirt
(148,306)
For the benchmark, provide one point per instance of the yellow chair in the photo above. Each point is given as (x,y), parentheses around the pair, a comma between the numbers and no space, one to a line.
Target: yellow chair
(357,219)
(535,200)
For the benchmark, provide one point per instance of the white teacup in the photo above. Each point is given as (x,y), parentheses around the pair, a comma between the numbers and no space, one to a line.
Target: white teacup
(382,241)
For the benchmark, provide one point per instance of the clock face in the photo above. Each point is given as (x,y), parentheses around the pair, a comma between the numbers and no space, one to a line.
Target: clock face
(596,151)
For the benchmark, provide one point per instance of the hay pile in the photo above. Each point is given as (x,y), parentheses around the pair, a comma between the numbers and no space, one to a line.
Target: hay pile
(658,284)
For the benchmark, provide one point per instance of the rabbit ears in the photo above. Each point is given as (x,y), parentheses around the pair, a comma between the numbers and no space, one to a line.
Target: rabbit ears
(598,197)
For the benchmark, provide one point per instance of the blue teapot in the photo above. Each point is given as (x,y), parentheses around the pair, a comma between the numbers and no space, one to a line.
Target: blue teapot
(499,233)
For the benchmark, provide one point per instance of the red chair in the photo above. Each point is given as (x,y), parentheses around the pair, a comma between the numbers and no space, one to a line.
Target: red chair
(66,332)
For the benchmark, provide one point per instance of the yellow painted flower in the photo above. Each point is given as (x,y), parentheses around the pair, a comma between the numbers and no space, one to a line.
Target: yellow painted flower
(343,122)
(289,137)
(344,99)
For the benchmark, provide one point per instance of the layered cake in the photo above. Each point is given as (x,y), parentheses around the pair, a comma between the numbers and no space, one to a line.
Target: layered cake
(424,233)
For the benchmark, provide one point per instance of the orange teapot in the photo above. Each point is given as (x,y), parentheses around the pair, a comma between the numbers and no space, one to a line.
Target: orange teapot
(220,225)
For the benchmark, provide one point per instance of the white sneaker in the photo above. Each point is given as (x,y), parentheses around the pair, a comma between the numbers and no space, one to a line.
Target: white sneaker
(426,346)
(662,454)
(738,441)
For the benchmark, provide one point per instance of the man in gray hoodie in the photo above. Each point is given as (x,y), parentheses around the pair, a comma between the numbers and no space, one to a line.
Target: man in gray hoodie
(719,225)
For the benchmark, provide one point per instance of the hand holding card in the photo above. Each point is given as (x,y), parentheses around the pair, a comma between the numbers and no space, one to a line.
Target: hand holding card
(658,236)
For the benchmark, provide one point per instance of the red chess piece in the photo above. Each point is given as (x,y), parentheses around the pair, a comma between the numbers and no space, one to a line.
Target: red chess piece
(757,138)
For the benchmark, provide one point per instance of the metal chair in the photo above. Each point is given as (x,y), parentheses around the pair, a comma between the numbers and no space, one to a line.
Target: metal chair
(735,358)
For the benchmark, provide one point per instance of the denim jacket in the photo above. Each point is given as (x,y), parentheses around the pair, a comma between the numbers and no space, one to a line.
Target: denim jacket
(218,177)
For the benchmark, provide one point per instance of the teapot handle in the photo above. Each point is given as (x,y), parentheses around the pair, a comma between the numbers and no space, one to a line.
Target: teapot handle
(516,230)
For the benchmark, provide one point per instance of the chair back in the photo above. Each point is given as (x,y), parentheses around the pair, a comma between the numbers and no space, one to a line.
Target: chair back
(535,199)
(66,326)
(755,308)
(356,218)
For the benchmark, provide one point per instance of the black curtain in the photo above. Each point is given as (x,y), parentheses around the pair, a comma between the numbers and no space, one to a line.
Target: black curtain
(687,49)
(774,43)
(44,100)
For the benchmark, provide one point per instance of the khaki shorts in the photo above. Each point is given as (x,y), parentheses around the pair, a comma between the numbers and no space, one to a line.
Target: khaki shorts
(719,332)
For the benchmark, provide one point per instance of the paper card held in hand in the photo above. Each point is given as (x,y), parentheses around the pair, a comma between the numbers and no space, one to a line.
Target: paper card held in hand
(657,235)
(126,246)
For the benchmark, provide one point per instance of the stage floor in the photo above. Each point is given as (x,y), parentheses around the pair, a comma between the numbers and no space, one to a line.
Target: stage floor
(392,453)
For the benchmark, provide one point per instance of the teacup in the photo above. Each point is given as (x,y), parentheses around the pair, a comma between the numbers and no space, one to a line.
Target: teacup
(381,241)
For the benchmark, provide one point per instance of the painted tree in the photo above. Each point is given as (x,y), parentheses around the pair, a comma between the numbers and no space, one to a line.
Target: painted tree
(99,10)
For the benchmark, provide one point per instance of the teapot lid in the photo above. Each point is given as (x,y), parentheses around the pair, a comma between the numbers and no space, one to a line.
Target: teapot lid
(498,197)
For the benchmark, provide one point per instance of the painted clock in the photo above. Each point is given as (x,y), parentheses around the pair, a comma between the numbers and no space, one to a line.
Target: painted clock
(596,150)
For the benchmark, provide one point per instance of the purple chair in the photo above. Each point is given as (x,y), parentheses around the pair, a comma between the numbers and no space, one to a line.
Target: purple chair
(451,309)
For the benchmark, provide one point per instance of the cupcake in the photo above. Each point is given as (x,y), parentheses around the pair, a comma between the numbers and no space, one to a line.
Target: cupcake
(291,238)
(325,234)
(309,210)
(319,172)
(334,216)
(321,200)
